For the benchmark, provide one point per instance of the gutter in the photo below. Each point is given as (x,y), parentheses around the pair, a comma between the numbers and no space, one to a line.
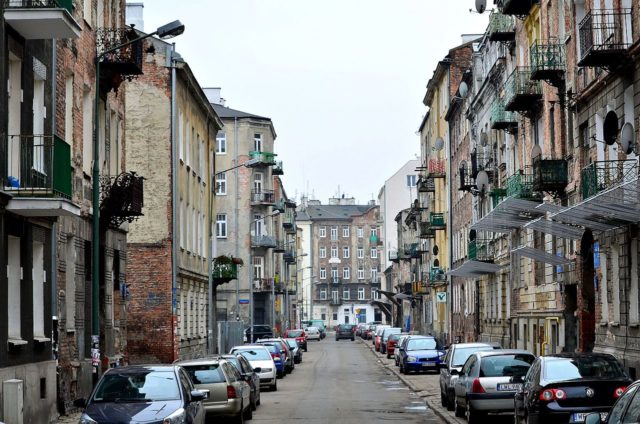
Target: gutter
(174,195)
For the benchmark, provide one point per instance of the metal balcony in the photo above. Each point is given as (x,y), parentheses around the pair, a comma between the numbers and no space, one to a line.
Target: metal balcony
(436,219)
(263,197)
(336,280)
(520,186)
(262,158)
(279,206)
(550,175)
(265,241)
(280,246)
(437,275)
(394,256)
(289,220)
(501,119)
(426,184)
(335,302)
(600,176)
(497,195)
(277,168)
(411,250)
(482,250)
(122,198)
(522,94)
(261,285)
(42,19)
(501,27)
(289,256)
(436,168)
(516,7)
(605,37)
(374,240)
(547,61)
(123,63)
(426,231)
(225,269)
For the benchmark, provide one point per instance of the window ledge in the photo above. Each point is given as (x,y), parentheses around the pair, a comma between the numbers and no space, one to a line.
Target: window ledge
(70,330)
(614,324)
(41,339)
(603,323)
(16,342)
(634,324)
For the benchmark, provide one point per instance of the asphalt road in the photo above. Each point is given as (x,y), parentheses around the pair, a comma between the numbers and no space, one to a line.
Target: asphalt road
(341,382)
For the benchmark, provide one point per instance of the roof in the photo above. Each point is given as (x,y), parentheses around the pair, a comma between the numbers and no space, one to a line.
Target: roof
(143,368)
(498,352)
(342,212)
(225,112)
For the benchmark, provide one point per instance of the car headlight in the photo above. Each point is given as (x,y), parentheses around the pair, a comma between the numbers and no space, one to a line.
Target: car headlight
(85,419)
(266,370)
(411,359)
(178,417)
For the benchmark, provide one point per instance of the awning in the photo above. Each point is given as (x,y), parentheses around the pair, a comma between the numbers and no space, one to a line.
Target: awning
(610,209)
(390,296)
(384,307)
(555,228)
(508,215)
(474,269)
(540,255)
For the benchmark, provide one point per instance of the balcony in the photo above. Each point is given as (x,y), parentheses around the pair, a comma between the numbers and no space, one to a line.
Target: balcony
(335,301)
(336,280)
(501,27)
(374,240)
(262,158)
(550,175)
(426,231)
(279,206)
(263,197)
(436,220)
(394,256)
(497,195)
(289,220)
(123,63)
(277,168)
(548,61)
(261,285)
(225,269)
(42,19)
(122,199)
(280,246)
(289,256)
(411,250)
(605,37)
(436,168)
(264,241)
(501,119)
(516,7)
(426,184)
(522,94)
(467,182)
(482,250)
(520,186)
(437,275)
(600,176)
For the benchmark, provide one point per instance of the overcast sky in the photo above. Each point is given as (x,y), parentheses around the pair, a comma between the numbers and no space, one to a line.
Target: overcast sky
(342,80)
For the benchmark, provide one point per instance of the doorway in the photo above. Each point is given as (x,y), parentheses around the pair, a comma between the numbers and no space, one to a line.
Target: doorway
(586,314)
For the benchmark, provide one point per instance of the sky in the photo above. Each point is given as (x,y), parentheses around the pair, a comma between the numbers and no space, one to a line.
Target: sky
(342,80)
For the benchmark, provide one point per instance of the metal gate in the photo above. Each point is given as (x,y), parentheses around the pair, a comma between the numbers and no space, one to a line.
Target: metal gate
(230,334)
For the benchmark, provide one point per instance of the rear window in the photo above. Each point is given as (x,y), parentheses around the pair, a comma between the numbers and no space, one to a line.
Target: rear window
(262,328)
(292,343)
(205,374)
(460,355)
(345,327)
(272,348)
(253,354)
(558,369)
(294,333)
(422,344)
(505,365)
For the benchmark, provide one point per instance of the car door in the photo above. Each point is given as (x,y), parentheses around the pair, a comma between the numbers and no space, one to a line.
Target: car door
(194,410)
(520,396)
(627,408)
(461,382)
(531,383)
(253,377)
(444,372)
(238,382)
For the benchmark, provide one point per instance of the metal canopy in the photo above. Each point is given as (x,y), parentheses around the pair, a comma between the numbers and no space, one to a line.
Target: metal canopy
(384,307)
(390,296)
(541,255)
(508,215)
(474,269)
(555,228)
(607,210)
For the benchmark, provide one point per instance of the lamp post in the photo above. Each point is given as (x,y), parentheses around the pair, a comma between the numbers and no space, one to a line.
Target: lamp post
(169,30)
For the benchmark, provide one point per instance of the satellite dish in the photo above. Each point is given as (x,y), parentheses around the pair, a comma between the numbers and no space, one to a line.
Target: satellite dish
(484,139)
(482,181)
(610,128)
(536,151)
(481,5)
(472,235)
(439,143)
(627,138)
(463,89)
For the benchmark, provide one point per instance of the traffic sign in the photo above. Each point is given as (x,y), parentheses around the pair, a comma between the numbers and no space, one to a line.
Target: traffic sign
(441,297)
(243,301)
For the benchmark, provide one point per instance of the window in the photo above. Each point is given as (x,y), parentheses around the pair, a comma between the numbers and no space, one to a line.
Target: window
(360,232)
(221,184)
(360,252)
(323,252)
(360,273)
(221,225)
(411,180)
(334,273)
(258,267)
(360,293)
(323,294)
(14,271)
(374,274)
(375,294)
(345,294)
(334,233)
(71,257)
(68,111)
(334,251)
(87,131)
(374,232)
(323,273)
(86,12)
(257,142)
(345,252)
(38,277)
(335,316)
(257,182)
(221,143)
(374,252)
(335,296)
(345,231)
(346,273)
(323,231)
(180,136)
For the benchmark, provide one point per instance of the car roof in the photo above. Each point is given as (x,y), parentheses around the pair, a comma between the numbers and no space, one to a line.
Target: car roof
(134,369)
(579,355)
(203,360)
(499,352)
(458,345)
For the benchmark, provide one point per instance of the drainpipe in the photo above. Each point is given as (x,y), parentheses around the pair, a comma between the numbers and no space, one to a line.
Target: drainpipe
(236,308)
(211,254)
(174,195)
(54,228)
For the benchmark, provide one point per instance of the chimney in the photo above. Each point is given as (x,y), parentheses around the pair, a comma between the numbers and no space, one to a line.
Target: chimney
(134,15)
(213,95)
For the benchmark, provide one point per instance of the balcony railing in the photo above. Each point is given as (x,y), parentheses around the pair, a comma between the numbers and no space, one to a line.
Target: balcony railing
(516,7)
(289,218)
(426,184)
(497,195)
(289,256)
(123,63)
(411,250)
(522,93)
(436,219)
(436,168)
(437,275)
(263,197)
(336,280)
(520,186)
(375,240)
(262,158)
(502,119)
(547,61)
(225,269)
(122,198)
(264,240)
(501,27)
(39,4)
(277,168)
(263,285)
(335,301)
(426,231)
(467,182)
(42,19)
(279,206)
(550,175)
(280,246)
(394,256)
(482,250)
(602,175)
(38,165)
(605,37)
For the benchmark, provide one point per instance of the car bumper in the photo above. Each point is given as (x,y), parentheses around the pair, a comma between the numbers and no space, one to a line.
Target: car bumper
(492,402)
(421,366)
(228,408)
(267,382)
(564,415)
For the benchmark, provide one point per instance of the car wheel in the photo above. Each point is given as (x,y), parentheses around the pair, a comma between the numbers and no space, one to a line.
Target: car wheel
(451,401)
(239,419)
(459,410)
(405,370)
(443,399)
(388,356)
(248,413)
(473,416)
(274,388)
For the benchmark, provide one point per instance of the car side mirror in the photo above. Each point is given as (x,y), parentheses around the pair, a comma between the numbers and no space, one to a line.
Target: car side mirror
(80,403)
(198,395)
(258,369)
(593,418)
(454,372)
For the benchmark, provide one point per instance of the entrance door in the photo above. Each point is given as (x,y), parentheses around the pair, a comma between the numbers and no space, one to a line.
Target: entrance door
(586,317)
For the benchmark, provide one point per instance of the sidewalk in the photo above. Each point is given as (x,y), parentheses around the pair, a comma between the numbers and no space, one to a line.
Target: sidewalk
(427,386)
(69,419)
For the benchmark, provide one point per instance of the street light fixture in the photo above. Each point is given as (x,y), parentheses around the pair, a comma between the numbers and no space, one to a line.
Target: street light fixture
(169,30)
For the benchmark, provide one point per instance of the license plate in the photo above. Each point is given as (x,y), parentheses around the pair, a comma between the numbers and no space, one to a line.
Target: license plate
(579,417)
(428,364)
(509,387)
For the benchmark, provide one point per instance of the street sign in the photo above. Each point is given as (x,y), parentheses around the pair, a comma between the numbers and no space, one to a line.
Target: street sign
(441,297)
(243,301)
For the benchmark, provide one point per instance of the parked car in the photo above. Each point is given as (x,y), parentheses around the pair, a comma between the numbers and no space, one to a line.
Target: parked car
(625,410)
(229,390)
(454,359)
(370,331)
(319,324)
(345,331)
(384,337)
(259,332)
(486,383)
(360,328)
(396,350)
(392,341)
(277,356)
(312,333)
(377,338)
(248,372)
(299,335)
(420,353)
(260,358)
(289,363)
(166,391)
(566,387)
(295,350)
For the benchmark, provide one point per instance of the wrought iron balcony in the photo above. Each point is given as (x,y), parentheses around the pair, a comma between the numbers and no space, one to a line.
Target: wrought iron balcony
(42,19)
(550,175)
(225,269)
(375,240)
(467,182)
(289,256)
(122,198)
(123,63)
(411,250)
(264,240)
(501,27)
(501,119)
(335,301)
(427,231)
(605,37)
(497,195)
(520,186)
(263,197)
(426,184)
(547,61)
(289,219)
(277,168)
(481,160)
(336,280)
(280,246)
(602,175)
(263,285)
(437,275)
(516,7)
(436,168)
(419,287)
(482,250)
(262,158)
(279,206)
(38,166)
(522,93)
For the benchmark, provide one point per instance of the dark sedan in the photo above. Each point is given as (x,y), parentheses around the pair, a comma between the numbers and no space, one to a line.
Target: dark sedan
(625,410)
(566,387)
(345,331)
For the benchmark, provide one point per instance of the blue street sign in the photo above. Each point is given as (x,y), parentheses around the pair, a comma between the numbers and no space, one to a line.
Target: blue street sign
(243,301)
(596,255)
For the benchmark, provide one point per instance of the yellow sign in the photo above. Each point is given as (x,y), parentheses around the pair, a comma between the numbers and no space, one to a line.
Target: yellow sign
(277,303)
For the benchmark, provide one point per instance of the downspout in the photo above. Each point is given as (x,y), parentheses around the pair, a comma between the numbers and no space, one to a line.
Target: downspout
(212,251)
(54,228)
(236,308)
(174,197)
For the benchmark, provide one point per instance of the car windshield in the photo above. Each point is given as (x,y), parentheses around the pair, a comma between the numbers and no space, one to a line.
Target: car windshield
(272,348)
(139,387)
(253,354)
(292,343)
(558,369)
(205,374)
(421,344)
(505,365)
(294,333)
(345,327)
(460,355)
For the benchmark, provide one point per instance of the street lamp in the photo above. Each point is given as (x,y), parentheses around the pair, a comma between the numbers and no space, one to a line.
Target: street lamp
(169,30)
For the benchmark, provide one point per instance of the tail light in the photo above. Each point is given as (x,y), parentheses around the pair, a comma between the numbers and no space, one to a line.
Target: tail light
(552,394)
(476,387)
(275,356)
(231,392)
(619,391)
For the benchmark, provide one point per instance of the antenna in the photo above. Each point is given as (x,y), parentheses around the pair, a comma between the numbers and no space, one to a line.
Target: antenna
(482,182)
(439,144)
(536,151)
(610,128)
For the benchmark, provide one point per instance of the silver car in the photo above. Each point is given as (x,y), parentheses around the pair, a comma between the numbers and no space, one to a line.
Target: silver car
(485,384)
(450,368)
(396,351)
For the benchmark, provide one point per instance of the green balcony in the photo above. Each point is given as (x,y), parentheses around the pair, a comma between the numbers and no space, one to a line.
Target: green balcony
(225,269)
(481,250)
(280,206)
(436,219)
(520,186)
(550,175)
(602,175)
(262,158)
(426,230)
(501,27)
(42,19)
(516,7)
(277,168)
(411,250)
(289,220)
(547,61)
(497,195)
(501,119)
(437,275)
(521,93)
